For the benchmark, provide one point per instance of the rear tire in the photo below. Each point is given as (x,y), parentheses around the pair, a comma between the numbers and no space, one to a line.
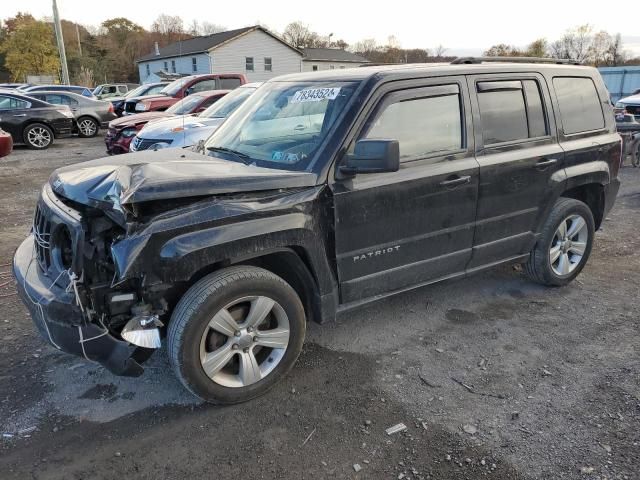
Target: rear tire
(38,136)
(235,334)
(564,245)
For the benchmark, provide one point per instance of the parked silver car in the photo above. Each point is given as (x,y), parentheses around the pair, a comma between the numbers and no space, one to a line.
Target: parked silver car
(188,130)
(89,115)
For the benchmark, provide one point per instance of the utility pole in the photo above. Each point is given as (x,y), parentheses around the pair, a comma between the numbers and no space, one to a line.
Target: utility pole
(78,36)
(60,40)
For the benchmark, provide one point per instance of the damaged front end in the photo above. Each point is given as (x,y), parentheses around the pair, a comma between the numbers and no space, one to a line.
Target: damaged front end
(97,272)
(65,276)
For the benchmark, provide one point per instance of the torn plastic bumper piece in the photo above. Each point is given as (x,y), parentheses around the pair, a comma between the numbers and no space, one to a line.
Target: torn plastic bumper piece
(60,321)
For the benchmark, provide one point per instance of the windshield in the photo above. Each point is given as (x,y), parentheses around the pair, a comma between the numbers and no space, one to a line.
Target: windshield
(283,124)
(142,90)
(174,87)
(227,105)
(186,105)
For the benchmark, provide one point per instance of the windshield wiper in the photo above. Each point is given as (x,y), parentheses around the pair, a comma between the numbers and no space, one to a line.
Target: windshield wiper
(244,158)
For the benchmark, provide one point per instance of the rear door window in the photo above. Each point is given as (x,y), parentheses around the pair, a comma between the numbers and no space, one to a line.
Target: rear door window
(511,110)
(228,83)
(10,103)
(579,102)
(203,85)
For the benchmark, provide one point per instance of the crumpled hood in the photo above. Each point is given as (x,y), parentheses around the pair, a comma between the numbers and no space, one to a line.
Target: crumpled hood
(113,182)
(162,129)
(138,118)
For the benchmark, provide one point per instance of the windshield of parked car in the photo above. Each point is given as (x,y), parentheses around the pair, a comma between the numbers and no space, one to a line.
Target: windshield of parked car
(174,87)
(282,124)
(186,105)
(227,104)
(143,90)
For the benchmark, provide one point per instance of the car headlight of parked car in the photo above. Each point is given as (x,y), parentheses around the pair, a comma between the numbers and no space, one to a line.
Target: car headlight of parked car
(129,132)
(141,107)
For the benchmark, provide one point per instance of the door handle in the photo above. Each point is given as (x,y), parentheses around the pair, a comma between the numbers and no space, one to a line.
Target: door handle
(542,164)
(299,128)
(454,182)
(20,115)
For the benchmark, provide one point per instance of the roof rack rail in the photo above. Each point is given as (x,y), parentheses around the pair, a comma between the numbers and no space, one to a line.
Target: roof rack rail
(475,60)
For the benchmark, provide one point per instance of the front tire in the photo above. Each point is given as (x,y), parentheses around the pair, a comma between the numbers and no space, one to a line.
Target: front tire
(564,245)
(235,334)
(38,136)
(87,127)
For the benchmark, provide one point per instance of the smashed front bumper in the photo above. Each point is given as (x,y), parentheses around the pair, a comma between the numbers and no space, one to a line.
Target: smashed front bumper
(60,321)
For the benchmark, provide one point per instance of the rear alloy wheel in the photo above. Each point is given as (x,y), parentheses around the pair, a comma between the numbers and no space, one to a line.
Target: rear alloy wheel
(235,333)
(38,136)
(564,244)
(87,127)
(568,245)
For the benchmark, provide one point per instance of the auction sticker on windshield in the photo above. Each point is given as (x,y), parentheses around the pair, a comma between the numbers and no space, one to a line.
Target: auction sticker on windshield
(315,94)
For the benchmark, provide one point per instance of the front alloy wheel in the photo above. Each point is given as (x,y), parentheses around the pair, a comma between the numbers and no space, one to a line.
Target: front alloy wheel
(244,341)
(235,333)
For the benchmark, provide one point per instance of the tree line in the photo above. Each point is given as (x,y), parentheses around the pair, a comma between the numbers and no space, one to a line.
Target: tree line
(106,53)
(582,43)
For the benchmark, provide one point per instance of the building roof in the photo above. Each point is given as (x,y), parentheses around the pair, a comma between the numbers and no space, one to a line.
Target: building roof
(331,55)
(206,43)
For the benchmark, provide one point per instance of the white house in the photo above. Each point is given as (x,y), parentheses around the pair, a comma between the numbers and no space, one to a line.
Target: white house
(329,59)
(254,51)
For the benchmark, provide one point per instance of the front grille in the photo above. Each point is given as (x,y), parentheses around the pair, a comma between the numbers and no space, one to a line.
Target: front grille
(144,143)
(58,237)
(42,234)
(633,109)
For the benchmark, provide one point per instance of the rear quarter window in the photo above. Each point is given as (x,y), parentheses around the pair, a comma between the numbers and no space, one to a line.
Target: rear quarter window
(580,106)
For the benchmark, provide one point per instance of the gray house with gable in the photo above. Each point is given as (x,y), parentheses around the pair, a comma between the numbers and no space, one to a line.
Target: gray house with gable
(254,51)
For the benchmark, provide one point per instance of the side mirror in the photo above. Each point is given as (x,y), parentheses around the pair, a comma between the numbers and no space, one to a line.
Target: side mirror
(187,92)
(373,156)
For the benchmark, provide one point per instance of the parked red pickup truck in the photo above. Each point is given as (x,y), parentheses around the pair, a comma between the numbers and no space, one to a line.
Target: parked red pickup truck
(180,88)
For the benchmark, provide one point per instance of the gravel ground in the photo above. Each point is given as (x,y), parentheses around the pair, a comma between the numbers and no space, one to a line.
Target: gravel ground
(493,377)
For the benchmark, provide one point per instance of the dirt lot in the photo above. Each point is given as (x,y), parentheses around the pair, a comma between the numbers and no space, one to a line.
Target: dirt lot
(494,377)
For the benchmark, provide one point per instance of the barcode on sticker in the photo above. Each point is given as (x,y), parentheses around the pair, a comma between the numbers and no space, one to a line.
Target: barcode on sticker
(315,95)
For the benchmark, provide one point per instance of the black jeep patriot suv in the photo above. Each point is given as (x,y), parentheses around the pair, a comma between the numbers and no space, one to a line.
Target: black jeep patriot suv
(323,192)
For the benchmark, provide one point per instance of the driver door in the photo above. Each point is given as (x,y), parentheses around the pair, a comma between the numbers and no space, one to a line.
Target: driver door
(398,230)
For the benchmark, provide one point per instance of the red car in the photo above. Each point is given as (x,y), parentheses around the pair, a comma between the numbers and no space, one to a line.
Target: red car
(180,88)
(6,143)
(122,130)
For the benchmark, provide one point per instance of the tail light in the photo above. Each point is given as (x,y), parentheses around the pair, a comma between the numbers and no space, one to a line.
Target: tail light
(111,110)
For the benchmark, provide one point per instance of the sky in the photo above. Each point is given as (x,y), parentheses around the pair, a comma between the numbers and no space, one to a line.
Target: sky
(462,26)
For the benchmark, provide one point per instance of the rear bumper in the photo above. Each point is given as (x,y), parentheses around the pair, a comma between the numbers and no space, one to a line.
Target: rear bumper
(63,128)
(60,321)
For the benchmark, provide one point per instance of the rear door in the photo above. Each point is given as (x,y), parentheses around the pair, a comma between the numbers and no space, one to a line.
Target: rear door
(521,163)
(398,230)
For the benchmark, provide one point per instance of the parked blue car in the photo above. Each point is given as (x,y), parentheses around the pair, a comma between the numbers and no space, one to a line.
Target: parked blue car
(84,91)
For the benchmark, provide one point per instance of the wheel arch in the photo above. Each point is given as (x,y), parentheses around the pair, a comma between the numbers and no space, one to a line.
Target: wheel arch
(586,182)
(289,263)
